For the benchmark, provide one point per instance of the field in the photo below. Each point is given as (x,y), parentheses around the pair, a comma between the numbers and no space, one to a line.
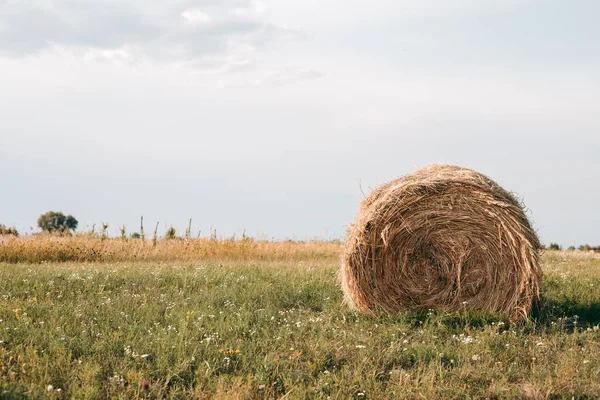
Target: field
(90,318)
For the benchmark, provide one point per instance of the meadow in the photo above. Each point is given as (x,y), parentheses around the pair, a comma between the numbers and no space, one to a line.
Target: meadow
(92,318)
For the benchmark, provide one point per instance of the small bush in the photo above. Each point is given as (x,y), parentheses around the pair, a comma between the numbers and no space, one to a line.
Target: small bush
(555,246)
(8,231)
(171,233)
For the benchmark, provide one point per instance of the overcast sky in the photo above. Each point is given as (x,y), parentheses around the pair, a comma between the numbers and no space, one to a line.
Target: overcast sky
(270,116)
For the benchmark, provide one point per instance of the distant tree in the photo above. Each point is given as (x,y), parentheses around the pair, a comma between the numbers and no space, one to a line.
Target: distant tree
(57,222)
(571,248)
(555,246)
(587,247)
(136,235)
(8,231)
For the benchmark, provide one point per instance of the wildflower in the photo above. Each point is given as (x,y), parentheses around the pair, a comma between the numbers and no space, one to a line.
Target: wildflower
(539,344)
(476,357)
(49,388)
(261,387)
(360,346)
(586,361)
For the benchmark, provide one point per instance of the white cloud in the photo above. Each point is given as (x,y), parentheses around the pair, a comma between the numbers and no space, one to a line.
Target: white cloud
(196,16)
(182,31)
(214,37)
(324,15)
(255,7)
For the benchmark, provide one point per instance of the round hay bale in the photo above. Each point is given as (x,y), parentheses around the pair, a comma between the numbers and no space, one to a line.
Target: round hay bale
(443,237)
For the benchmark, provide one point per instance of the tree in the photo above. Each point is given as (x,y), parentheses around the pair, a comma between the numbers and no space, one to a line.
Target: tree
(57,222)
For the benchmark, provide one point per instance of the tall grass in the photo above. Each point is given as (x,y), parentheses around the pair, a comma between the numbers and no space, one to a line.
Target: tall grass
(54,248)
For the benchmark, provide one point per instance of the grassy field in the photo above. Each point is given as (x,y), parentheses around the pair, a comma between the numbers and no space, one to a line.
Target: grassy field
(243,324)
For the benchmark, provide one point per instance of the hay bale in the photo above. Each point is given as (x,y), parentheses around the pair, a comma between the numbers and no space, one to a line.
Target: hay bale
(443,237)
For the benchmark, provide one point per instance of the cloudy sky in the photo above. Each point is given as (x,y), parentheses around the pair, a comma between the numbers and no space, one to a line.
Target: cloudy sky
(274,116)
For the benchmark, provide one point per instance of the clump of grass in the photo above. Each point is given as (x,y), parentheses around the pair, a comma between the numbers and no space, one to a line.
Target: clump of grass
(188,231)
(142,228)
(104,230)
(155,237)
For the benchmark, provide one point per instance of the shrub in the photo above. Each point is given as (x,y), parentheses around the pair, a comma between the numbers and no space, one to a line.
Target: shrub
(554,246)
(171,234)
(8,231)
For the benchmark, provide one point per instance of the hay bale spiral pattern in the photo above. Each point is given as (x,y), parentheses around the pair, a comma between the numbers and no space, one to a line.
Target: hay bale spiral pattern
(443,237)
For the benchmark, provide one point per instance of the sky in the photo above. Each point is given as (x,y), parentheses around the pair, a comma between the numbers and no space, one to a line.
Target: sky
(274,117)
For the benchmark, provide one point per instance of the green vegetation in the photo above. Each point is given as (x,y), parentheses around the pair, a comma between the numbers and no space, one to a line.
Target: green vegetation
(554,246)
(8,231)
(171,233)
(57,222)
(587,247)
(255,327)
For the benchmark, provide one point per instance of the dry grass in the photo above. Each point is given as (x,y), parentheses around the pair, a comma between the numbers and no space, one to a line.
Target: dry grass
(443,237)
(50,248)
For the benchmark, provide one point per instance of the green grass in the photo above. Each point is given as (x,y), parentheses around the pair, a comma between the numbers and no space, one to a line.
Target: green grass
(243,329)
